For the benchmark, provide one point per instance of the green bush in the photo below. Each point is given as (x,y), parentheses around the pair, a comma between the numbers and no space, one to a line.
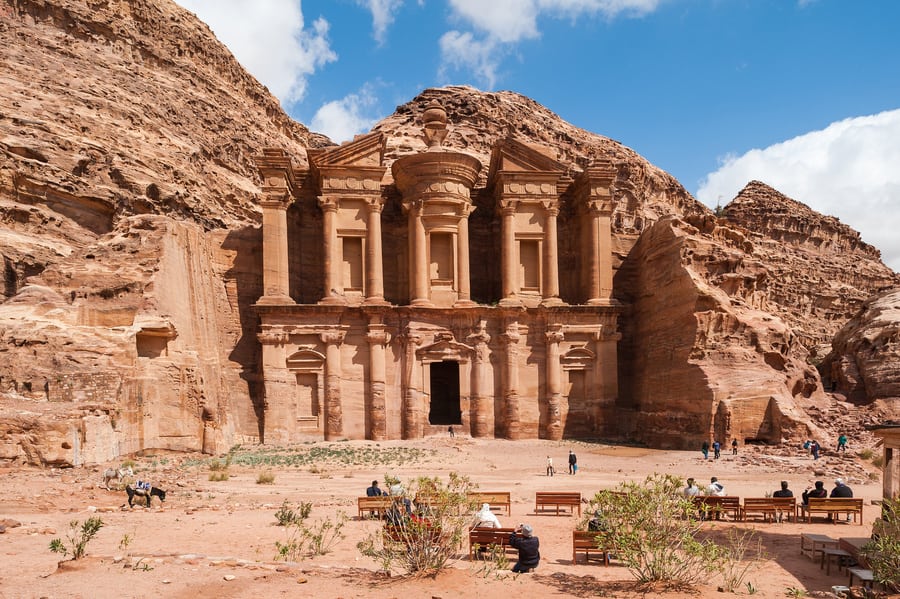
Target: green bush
(78,537)
(865,454)
(304,539)
(429,541)
(883,552)
(287,516)
(656,531)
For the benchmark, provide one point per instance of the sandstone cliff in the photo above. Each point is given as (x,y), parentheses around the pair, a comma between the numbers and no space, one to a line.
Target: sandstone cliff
(132,251)
(864,364)
(127,185)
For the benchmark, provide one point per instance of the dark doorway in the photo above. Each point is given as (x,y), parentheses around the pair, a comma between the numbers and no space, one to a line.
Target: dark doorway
(444,394)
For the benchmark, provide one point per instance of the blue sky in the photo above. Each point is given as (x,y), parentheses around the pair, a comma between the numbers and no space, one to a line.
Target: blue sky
(801,94)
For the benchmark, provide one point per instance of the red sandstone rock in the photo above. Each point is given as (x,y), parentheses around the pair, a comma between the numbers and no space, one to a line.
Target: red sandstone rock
(132,251)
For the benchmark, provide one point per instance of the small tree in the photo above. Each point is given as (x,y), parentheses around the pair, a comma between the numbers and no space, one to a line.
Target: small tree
(654,529)
(78,537)
(883,552)
(427,540)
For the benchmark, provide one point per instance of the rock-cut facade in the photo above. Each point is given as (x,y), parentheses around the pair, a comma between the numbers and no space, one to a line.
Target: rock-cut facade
(400,300)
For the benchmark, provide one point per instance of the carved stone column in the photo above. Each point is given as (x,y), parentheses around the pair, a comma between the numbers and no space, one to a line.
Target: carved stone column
(275,168)
(374,264)
(330,259)
(550,290)
(463,274)
(593,192)
(554,390)
(482,398)
(511,381)
(378,338)
(279,384)
(418,274)
(334,413)
(412,395)
(508,253)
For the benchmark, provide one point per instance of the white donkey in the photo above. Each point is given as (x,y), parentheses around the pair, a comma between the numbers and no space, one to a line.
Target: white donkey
(117,474)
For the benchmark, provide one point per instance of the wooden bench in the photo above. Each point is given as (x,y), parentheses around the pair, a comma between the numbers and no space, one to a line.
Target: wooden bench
(770,506)
(557,499)
(484,538)
(716,504)
(373,506)
(834,507)
(392,533)
(586,541)
(496,499)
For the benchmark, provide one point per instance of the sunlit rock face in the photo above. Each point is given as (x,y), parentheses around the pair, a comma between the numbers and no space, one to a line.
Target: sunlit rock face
(133,259)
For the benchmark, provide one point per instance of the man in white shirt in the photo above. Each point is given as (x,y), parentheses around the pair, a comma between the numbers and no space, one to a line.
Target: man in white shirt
(715,487)
(691,489)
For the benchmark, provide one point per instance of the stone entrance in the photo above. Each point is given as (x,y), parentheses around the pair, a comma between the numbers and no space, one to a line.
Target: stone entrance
(444,394)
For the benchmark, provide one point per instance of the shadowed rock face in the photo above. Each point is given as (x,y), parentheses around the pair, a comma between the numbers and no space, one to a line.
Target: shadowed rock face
(132,253)
(864,364)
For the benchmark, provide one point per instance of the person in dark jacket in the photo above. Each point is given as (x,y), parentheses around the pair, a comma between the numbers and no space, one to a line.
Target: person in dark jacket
(841,490)
(783,491)
(374,490)
(527,544)
(818,492)
(573,462)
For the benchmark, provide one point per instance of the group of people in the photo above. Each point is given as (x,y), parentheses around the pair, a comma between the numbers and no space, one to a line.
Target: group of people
(522,539)
(573,464)
(717,449)
(818,490)
(813,447)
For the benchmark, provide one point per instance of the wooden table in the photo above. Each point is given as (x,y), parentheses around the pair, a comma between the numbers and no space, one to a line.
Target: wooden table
(853,545)
(843,557)
(810,544)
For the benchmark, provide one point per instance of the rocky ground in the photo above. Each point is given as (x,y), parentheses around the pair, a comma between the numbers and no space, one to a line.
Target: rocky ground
(218,538)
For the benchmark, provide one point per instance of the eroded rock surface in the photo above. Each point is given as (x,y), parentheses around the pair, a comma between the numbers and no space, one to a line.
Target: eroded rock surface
(131,252)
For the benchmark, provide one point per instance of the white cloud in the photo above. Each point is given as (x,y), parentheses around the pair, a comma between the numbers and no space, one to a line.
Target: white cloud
(850,169)
(270,40)
(382,15)
(462,51)
(340,120)
(501,23)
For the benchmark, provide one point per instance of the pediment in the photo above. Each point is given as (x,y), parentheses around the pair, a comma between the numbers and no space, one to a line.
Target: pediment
(366,151)
(513,156)
(445,350)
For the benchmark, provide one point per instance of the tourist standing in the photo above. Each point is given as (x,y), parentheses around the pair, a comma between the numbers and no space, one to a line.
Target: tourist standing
(450,430)
(842,443)
(717,449)
(734,445)
(549,466)
(573,462)
(814,449)
(705,449)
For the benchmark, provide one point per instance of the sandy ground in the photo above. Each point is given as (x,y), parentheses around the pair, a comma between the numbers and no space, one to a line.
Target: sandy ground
(217,539)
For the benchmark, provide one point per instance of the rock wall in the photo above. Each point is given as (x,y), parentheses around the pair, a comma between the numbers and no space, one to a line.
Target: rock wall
(696,363)
(864,364)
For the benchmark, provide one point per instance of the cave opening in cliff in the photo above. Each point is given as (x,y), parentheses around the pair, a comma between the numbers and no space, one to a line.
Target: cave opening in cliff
(444,394)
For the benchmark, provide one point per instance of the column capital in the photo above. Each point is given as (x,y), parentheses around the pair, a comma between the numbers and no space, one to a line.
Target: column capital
(480,335)
(332,337)
(413,338)
(328,203)
(278,199)
(273,337)
(508,207)
(378,335)
(555,334)
(551,207)
(375,204)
